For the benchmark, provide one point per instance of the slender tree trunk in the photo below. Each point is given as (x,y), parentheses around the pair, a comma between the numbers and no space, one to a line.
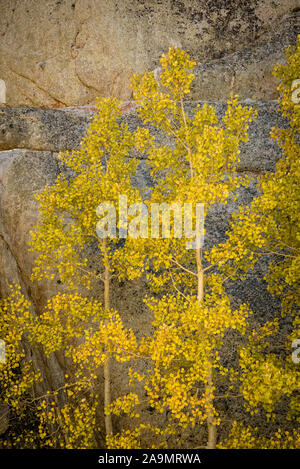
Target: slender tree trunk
(211,427)
(61,423)
(200,276)
(107,380)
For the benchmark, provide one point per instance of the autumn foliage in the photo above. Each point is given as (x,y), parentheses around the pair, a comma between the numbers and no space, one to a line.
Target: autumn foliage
(185,380)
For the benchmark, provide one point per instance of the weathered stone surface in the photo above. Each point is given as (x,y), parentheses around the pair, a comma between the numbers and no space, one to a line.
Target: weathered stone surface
(248,72)
(57,130)
(18,214)
(41,129)
(66,52)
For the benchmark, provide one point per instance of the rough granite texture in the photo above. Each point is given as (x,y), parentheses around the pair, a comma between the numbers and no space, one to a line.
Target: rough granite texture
(58,53)
(247,72)
(58,130)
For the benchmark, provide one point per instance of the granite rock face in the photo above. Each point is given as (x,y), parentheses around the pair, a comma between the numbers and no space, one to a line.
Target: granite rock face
(18,214)
(247,72)
(41,129)
(59,53)
(57,130)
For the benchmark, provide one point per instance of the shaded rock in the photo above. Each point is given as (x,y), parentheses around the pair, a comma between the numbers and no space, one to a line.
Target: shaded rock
(248,72)
(41,129)
(57,130)
(22,175)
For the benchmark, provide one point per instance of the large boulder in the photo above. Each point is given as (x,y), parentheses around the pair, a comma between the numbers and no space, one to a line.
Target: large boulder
(41,129)
(58,53)
(58,130)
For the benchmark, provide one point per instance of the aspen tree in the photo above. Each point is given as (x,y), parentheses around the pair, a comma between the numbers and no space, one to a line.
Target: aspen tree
(99,171)
(269,228)
(192,311)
